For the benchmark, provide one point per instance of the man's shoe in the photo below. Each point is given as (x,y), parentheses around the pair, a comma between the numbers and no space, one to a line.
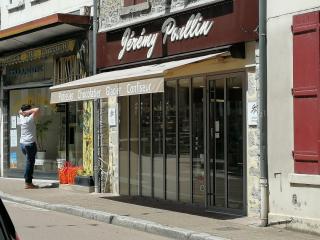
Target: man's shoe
(31,186)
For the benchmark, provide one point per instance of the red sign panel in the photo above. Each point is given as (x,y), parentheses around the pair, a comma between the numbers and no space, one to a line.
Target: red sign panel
(219,24)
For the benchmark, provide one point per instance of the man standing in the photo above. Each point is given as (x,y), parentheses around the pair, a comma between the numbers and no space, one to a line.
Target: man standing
(28,141)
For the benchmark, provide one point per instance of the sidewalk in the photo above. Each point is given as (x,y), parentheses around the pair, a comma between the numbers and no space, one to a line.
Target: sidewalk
(129,212)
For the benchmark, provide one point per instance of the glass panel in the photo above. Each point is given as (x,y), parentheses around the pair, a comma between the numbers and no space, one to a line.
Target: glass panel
(235,142)
(124,145)
(47,124)
(134,145)
(198,141)
(171,158)
(145,139)
(157,100)
(212,148)
(61,111)
(75,143)
(184,142)
(217,132)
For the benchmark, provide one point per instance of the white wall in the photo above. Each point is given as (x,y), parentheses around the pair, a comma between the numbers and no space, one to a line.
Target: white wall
(298,203)
(35,11)
(276,8)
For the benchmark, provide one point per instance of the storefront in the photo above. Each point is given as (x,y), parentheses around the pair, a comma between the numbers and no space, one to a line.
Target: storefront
(174,100)
(26,78)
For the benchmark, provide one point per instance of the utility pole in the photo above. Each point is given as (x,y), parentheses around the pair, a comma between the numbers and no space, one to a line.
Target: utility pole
(263,113)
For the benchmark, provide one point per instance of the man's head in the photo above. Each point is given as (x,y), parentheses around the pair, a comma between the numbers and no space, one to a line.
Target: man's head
(25,107)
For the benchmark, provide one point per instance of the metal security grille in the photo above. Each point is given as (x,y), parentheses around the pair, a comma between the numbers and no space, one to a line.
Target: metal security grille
(68,69)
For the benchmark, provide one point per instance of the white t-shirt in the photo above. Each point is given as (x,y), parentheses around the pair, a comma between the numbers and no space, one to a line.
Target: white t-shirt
(28,129)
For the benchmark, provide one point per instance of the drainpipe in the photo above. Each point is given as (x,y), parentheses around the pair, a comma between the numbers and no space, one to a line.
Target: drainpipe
(1,125)
(96,111)
(263,113)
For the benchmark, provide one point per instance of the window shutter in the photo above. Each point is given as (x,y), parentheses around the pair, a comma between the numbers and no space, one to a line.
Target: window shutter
(306,67)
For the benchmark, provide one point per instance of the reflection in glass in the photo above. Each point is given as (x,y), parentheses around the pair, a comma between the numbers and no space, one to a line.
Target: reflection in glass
(184,141)
(157,125)
(235,142)
(134,145)
(217,156)
(171,156)
(145,141)
(124,145)
(198,141)
(52,118)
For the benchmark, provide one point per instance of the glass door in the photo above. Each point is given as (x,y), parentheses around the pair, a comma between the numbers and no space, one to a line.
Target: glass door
(225,143)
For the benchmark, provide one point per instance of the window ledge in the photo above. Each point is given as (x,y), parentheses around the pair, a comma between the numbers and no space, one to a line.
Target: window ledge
(33,2)
(135,8)
(15,6)
(304,179)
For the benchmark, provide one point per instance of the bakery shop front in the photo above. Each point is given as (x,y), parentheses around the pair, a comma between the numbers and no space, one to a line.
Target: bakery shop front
(174,96)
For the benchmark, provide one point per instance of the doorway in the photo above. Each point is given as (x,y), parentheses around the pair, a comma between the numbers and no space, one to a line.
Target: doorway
(225,162)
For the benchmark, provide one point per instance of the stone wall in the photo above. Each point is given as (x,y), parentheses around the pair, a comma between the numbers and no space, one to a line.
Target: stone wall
(110,17)
(253,141)
(109,147)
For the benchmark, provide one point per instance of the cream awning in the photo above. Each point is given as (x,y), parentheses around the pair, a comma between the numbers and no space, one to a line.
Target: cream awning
(132,81)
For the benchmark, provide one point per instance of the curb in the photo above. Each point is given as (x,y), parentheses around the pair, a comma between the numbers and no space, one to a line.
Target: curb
(118,220)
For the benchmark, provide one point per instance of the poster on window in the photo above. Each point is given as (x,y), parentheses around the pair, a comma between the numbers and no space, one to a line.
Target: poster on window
(13,160)
(13,122)
(13,138)
(112,117)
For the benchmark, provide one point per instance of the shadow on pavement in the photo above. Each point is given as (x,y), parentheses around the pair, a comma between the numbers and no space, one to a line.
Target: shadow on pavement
(51,185)
(172,206)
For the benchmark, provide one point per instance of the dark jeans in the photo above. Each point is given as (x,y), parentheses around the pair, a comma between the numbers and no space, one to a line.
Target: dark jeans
(30,151)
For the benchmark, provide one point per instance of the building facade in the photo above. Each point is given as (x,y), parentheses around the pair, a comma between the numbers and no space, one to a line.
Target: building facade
(44,43)
(178,94)
(16,12)
(293,111)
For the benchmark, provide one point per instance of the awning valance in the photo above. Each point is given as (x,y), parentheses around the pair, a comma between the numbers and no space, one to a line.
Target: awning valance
(133,81)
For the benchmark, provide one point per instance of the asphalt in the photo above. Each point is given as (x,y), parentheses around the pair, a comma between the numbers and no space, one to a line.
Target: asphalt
(163,218)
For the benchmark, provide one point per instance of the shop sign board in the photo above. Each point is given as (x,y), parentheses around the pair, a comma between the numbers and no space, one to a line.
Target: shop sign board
(194,28)
(37,70)
(220,24)
(39,53)
(145,86)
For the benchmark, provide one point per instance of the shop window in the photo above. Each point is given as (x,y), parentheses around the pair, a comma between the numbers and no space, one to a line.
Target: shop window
(305,92)
(184,141)
(145,145)
(134,150)
(124,145)
(171,139)
(157,145)
(49,142)
(198,159)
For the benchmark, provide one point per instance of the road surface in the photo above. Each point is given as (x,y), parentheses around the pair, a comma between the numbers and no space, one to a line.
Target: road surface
(34,223)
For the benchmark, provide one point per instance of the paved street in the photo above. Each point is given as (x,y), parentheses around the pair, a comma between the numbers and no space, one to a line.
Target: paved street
(34,223)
